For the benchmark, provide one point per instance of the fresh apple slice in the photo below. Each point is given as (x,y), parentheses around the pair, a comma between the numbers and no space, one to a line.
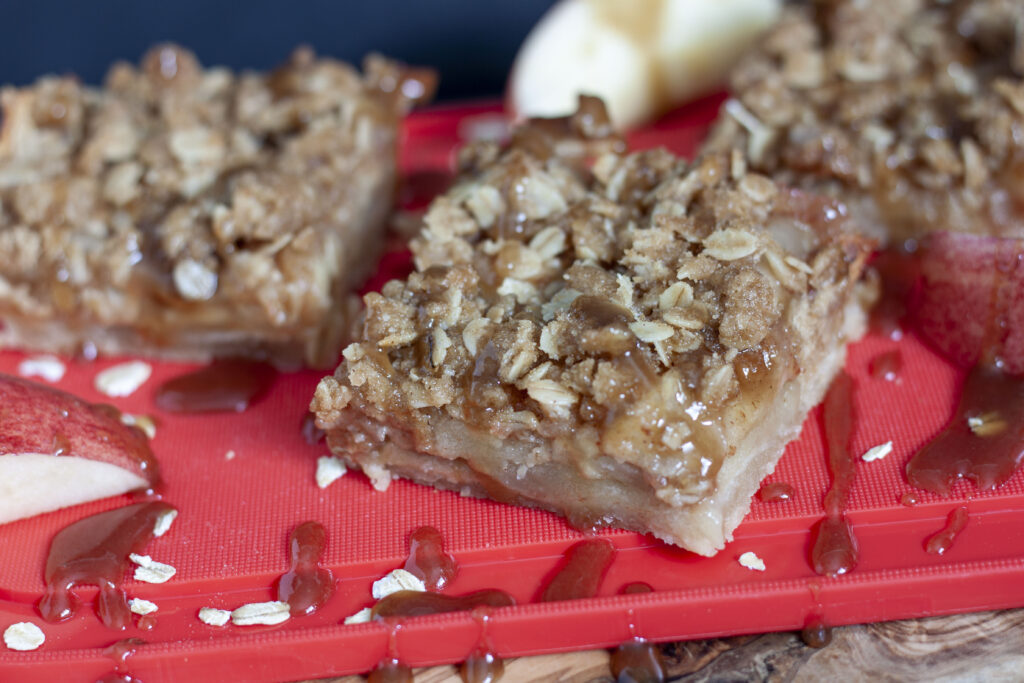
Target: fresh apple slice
(640,57)
(970,301)
(57,450)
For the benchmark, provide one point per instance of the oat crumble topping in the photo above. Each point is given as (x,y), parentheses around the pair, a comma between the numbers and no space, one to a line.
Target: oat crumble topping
(177,195)
(911,110)
(634,305)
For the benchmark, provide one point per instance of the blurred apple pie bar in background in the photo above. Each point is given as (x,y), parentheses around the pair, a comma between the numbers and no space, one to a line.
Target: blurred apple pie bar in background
(623,339)
(188,213)
(911,112)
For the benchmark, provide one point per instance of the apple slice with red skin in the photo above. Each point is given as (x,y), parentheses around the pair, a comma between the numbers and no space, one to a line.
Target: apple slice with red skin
(969,303)
(57,450)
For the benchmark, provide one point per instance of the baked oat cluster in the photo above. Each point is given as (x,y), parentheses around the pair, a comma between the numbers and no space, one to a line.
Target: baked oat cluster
(186,212)
(622,320)
(911,111)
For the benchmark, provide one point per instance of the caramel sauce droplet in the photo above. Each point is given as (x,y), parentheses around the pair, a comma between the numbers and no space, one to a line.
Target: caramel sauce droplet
(428,560)
(983,440)
(886,366)
(776,492)
(222,386)
(61,444)
(899,271)
(482,667)
(122,650)
(116,677)
(307,586)
(638,661)
(816,633)
(579,576)
(834,548)
(417,604)
(942,541)
(95,551)
(390,671)
(636,587)
(909,499)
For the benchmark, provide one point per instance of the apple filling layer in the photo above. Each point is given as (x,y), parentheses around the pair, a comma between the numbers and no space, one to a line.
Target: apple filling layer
(192,213)
(911,112)
(631,341)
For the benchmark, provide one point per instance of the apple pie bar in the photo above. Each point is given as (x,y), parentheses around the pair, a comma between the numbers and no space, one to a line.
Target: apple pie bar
(911,112)
(188,213)
(623,339)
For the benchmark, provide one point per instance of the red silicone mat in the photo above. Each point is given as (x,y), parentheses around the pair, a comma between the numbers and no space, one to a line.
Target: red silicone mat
(229,543)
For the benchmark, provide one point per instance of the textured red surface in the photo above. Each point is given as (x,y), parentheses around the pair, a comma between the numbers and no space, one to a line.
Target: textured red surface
(229,543)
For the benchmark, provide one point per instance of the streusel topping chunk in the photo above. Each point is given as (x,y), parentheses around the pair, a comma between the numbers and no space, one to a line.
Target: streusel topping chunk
(181,192)
(911,111)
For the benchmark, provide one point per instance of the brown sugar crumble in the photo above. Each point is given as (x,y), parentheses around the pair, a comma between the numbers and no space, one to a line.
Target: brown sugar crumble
(187,212)
(911,111)
(625,339)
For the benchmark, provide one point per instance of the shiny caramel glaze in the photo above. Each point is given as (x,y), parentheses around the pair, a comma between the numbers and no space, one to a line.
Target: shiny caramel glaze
(482,667)
(638,662)
(987,453)
(417,604)
(776,492)
(942,540)
(834,547)
(222,386)
(428,560)
(95,551)
(816,633)
(307,585)
(580,573)
(390,671)
(886,366)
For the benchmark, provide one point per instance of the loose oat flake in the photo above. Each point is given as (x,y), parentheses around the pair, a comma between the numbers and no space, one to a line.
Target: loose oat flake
(143,422)
(123,379)
(265,613)
(750,560)
(48,367)
(363,616)
(140,606)
(877,452)
(23,636)
(328,470)
(151,571)
(163,522)
(213,616)
(397,580)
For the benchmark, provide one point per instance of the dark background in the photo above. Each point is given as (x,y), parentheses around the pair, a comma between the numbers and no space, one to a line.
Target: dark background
(471,42)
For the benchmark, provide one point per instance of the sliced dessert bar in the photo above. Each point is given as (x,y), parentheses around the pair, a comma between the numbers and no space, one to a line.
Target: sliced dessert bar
(631,342)
(911,112)
(191,213)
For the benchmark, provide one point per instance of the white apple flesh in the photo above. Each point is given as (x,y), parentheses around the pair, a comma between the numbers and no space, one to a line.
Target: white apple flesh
(641,58)
(57,450)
